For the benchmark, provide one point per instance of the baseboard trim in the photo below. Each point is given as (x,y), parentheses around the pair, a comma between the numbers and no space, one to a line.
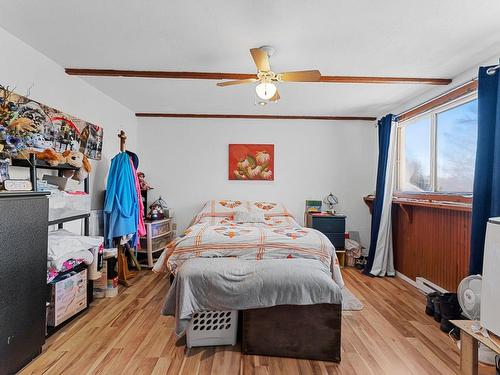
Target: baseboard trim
(422,284)
(407,280)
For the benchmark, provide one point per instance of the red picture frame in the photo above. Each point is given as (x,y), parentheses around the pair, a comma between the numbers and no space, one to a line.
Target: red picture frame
(251,162)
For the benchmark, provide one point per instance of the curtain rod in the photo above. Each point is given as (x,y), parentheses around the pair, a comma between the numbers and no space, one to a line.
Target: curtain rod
(492,70)
(439,96)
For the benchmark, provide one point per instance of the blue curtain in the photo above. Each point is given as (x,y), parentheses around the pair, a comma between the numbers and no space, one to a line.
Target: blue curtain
(384,137)
(486,200)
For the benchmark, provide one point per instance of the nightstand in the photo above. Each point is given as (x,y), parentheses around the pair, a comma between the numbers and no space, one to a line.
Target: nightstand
(158,235)
(333,227)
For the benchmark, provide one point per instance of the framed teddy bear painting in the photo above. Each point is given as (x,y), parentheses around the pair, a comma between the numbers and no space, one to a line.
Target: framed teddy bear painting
(251,162)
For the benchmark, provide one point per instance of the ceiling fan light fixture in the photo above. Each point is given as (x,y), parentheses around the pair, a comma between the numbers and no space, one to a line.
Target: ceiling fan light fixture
(265,90)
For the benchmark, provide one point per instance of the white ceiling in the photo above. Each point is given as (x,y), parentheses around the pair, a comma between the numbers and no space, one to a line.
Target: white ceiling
(425,38)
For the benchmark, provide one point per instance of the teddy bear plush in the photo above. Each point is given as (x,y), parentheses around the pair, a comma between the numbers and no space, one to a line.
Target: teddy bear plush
(78,160)
(52,157)
(73,158)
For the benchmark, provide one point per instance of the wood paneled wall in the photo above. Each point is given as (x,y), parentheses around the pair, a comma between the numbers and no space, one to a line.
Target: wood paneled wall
(433,243)
(431,240)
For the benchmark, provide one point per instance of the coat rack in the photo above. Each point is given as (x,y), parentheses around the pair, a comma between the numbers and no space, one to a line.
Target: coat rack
(123,138)
(123,272)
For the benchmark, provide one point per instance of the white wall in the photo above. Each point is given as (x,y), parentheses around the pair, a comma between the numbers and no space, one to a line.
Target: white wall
(464,77)
(23,67)
(186,161)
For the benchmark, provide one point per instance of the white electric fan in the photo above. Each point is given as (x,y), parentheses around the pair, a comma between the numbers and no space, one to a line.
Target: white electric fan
(469,298)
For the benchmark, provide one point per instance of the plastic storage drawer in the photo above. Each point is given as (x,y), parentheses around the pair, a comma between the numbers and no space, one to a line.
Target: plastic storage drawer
(160,227)
(158,243)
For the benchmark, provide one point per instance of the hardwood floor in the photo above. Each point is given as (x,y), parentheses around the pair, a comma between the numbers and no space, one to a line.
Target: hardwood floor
(127,335)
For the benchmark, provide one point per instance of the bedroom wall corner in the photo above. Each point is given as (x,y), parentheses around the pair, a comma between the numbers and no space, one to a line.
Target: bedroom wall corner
(187,164)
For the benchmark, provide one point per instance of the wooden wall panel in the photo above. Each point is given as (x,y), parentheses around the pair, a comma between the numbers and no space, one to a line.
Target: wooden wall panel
(432,243)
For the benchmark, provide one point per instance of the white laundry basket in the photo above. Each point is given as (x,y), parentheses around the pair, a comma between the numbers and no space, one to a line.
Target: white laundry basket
(212,328)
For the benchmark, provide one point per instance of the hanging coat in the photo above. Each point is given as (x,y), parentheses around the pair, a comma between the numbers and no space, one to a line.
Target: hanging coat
(121,209)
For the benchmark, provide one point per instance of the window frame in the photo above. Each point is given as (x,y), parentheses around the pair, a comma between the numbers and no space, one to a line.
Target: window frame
(433,113)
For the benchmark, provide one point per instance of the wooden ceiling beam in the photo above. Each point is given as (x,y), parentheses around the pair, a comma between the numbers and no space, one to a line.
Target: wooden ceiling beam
(232,76)
(262,117)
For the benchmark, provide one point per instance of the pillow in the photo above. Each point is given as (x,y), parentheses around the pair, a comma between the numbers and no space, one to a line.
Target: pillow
(250,216)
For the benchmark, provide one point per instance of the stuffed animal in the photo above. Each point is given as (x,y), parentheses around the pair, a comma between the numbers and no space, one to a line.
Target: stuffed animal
(52,157)
(78,160)
(73,158)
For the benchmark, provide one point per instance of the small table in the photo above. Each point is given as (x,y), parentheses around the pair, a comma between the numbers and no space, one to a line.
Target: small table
(468,347)
(333,227)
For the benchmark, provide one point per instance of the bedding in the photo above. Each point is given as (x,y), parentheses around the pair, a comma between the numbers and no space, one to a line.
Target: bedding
(222,263)
(67,262)
(215,234)
(235,284)
(62,242)
(66,250)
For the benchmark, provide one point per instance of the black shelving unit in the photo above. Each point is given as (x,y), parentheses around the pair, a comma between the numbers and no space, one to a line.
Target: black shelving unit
(33,164)
(69,218)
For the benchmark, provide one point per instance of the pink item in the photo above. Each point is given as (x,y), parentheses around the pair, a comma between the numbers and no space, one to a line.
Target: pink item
(141,228)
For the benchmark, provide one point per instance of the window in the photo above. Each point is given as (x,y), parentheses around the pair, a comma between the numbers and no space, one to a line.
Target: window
(437,150)
(415,155)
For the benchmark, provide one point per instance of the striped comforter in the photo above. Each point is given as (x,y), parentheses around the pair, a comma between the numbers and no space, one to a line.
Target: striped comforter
(215,234)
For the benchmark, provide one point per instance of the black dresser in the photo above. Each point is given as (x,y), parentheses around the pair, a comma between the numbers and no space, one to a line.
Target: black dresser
(23,277)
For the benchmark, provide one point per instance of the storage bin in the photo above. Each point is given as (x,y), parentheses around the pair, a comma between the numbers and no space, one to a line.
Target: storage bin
(63,204)
(68,297)
(160,227)
(157,243)
(212,328)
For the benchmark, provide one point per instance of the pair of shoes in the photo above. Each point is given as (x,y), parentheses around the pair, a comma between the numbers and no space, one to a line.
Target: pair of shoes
(433,307)
(450,310)
(429,308)
(437,308)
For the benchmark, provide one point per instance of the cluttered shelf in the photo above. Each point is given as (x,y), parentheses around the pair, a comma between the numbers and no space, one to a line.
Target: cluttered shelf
(25,163)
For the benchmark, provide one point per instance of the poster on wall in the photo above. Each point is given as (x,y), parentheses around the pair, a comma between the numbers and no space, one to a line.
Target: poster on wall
(251,162)
(26,124)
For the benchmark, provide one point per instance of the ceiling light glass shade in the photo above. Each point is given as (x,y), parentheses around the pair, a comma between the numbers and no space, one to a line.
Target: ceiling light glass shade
(265,90)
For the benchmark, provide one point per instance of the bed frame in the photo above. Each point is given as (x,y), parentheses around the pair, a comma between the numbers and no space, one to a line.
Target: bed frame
(296,331)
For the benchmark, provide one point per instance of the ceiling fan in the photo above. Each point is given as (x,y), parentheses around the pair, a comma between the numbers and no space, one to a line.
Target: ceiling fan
(266,89)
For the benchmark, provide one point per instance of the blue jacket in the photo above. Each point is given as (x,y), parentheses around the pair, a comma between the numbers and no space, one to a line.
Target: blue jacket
(120,205)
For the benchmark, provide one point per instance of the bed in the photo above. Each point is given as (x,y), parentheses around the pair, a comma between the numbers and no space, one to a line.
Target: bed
(254,257)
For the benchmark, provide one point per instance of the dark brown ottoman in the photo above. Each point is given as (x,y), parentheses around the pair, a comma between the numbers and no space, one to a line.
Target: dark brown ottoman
(296,331)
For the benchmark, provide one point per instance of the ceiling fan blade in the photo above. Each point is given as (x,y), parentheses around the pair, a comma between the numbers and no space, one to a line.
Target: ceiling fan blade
(276,97)
(261,59)
(238,82)
(301,76)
